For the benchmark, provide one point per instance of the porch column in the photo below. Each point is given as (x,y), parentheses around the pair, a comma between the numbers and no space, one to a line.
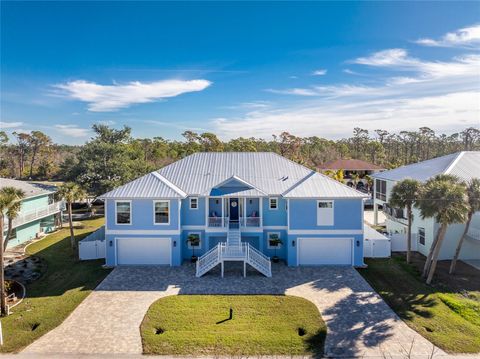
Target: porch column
(207,210)
(223,212)
(375,214)
(245,211)
(261,211)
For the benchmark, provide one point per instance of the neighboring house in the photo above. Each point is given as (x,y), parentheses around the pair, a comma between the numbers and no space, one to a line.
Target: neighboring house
(351,166)
(39,213)
(234,200)
(465,165)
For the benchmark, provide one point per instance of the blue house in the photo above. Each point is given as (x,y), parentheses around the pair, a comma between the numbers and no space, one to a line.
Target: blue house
(234,204)
(40,213)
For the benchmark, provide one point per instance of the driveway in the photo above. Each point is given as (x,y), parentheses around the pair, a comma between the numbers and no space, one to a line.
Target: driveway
(359,322)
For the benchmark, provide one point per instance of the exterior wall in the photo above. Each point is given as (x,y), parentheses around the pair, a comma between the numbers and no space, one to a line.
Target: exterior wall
(282,250)
(348,214)
(142,216)
(274,217)
(194,217)
(30,204)
(202,249)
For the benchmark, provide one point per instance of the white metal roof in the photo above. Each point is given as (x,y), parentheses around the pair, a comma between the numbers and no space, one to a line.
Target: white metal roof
(465,165)
(31,189)
(268,173)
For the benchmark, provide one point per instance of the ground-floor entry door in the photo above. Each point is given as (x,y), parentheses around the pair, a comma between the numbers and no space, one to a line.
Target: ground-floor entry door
(144,251)
(328,251)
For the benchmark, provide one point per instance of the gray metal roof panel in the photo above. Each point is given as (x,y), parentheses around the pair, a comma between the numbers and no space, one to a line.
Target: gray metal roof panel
(465,165)
(31,189)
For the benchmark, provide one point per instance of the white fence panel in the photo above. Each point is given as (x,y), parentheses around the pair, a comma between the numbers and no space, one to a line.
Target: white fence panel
(93,246)
(377,248)
(399,242)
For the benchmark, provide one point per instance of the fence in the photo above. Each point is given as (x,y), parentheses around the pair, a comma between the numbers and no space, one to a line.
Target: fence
(93,246)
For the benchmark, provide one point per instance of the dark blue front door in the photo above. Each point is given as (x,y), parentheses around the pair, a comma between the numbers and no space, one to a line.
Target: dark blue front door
(234,209)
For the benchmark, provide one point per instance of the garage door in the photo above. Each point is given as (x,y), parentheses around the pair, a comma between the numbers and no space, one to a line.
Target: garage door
(317,251)
(143,251)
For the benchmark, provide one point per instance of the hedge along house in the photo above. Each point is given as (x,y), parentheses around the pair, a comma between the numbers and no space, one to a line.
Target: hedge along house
(40,213)
(234,203)
(464,165)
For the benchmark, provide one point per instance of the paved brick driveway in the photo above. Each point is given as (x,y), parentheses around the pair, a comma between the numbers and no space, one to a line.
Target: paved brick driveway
(359,322)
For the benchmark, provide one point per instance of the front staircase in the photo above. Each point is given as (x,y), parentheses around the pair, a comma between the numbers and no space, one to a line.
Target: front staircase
(234,250)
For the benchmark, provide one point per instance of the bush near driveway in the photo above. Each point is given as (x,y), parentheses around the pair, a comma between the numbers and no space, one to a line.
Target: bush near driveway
(261,325)
(65,283)
(448,318)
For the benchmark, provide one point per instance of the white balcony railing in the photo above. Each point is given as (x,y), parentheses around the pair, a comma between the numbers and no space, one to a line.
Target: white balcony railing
(38,213)
(474,233)
(221,222)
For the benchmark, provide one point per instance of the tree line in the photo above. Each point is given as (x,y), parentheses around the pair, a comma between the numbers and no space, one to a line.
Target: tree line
(113,157)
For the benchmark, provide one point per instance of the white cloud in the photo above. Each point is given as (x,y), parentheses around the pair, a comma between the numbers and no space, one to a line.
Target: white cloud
(104,98)
(319,72)
(5,125)
(72,130)
(466,37)
(294,91)
(443,95)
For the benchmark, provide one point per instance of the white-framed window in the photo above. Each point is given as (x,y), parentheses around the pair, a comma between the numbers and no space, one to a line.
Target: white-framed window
(194,203)
(273,203)
(161,212)
(272,236)
(198,236)
(325,212)
(421,236)
(123,212)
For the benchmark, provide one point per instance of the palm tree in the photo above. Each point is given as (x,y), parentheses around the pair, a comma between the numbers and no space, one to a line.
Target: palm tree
(336,175)
(71,192)
(10,198)
(355,179)
(473,200)
(369,181)
(404,194)
(442,197)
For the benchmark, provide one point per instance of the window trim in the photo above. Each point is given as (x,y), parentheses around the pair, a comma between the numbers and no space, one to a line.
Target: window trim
(195,198)
(268,240)
(116,212)
(424,236)
(332,209)
(169,212)
(270,203)
(189,246)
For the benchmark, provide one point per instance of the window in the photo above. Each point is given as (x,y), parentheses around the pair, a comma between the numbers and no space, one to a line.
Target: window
(194,203)
(381,190)
(272,240)
(123,212)
(324,213)
(273,203)
(194,240)
(421,236)
(162,212)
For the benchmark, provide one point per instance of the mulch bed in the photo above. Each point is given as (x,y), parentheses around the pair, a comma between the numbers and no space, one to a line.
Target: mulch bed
(466,277)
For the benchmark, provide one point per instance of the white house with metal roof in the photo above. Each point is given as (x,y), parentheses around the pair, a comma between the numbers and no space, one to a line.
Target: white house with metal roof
(235,204)
(40,213)
(465,165)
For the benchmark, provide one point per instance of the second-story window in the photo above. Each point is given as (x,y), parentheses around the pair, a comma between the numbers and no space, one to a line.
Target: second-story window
(273,202)
(421,235)
(325,213)
(194,203)
(162,212)
(123,212)
(381,189)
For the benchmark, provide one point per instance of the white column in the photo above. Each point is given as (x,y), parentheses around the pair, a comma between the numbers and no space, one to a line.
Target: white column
(260,204)
(223,216)
(207,209)
(375,214)
(245,211)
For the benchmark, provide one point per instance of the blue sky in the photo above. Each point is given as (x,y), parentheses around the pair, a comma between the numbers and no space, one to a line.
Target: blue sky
(239,69)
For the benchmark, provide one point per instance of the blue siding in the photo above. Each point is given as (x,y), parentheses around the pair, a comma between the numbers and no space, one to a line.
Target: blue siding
(282,251)
(348,214)
(194,217)
(274,217)
(187,252)
(142,216)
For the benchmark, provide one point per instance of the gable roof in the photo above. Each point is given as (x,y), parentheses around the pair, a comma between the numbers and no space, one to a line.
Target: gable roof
(31,189)
(267,173)
(465,165)
(350,165)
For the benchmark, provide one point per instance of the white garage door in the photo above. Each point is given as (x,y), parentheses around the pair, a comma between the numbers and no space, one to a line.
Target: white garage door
(317,251)
(143,251)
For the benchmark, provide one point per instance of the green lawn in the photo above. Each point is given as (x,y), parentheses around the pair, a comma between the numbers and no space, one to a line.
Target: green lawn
(261,325)
(50,299)
(448,319)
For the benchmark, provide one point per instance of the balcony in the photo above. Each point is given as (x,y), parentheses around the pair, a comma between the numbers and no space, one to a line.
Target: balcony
(474,233)
(37,213)
(224,222)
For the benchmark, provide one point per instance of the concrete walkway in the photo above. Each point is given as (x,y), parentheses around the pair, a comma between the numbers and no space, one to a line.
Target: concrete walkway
(359,322)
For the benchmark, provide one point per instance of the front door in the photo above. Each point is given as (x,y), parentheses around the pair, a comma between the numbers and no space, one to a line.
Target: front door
(234,209)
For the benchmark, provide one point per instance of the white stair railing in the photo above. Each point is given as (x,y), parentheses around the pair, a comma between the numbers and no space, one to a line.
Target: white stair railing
(259,261)
(208,261)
